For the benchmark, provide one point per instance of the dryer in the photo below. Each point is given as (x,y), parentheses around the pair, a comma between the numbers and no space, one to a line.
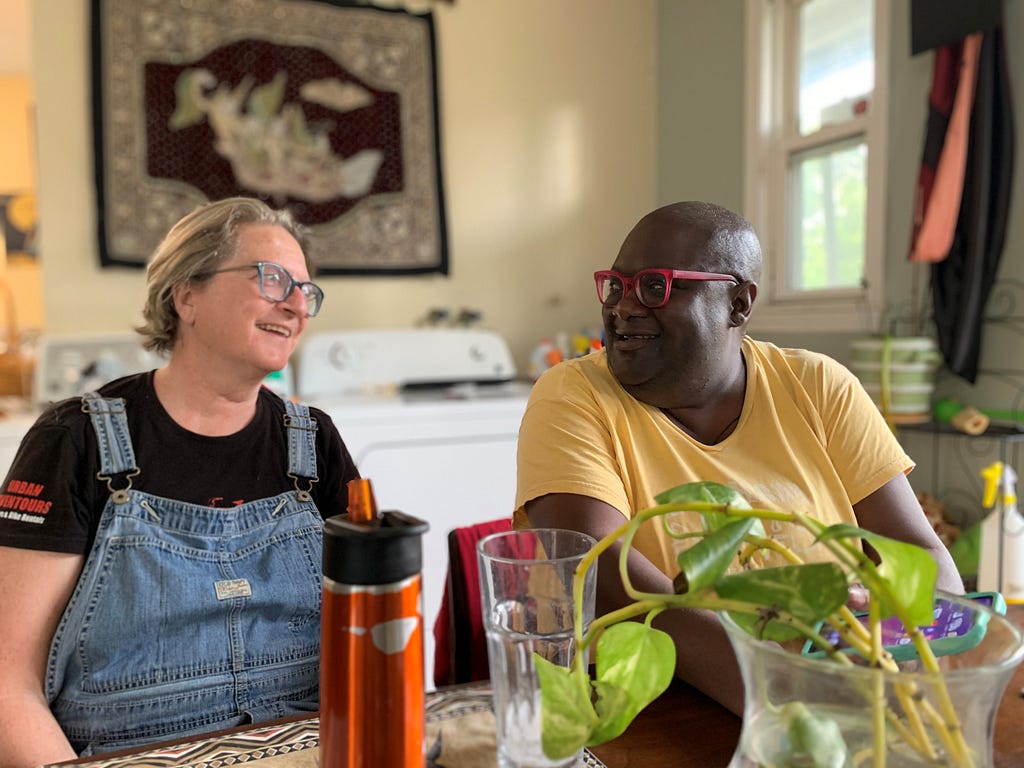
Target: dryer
(431,416)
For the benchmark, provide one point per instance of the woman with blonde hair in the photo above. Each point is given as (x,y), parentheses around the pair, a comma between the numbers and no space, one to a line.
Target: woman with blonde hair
(165,578)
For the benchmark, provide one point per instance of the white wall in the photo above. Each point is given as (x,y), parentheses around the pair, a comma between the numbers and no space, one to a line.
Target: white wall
(548,122)
(701,101)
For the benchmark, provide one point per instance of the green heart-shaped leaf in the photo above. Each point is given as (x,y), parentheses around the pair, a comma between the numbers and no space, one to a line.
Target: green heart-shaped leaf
(814,741)
(704,563)
(563,731)
(710,493)
(636,660)
(807,592)
(909,570)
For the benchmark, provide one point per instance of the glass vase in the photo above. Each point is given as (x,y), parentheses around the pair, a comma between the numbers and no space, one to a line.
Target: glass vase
(804,711)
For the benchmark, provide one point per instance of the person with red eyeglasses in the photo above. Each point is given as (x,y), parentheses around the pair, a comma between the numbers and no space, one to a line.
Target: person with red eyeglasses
(680,394)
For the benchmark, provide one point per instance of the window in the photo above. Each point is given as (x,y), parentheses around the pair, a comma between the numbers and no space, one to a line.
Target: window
(815,187)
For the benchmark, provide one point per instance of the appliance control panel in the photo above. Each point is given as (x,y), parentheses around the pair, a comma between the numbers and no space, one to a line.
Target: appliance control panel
(348,362)
(73,364)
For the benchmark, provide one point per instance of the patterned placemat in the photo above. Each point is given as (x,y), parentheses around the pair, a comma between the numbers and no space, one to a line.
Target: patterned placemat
(288,745)
(460,733)
(461,730)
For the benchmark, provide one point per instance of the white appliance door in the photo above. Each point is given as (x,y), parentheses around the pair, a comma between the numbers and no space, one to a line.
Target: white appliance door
(448,465)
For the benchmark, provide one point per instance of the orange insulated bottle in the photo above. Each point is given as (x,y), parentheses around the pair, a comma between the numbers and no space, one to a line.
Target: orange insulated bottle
(371,653)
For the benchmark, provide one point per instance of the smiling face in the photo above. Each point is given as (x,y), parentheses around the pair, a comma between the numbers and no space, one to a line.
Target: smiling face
(677,355)
(228,323)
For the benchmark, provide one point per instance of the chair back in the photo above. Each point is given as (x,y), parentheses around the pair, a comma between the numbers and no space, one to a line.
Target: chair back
(460,644)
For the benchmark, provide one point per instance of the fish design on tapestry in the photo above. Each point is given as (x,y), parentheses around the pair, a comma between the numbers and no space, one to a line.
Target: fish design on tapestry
(269,143)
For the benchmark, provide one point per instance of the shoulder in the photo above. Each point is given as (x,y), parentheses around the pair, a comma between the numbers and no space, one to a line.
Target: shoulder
(273,407)
(129,386)
(582,396)
(804,365)
(135,389)
(66,417)
(65,420)
(814,382)
(588,374)
(271,403)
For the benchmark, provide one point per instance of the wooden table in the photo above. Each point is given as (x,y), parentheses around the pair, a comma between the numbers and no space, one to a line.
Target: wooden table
(686,729)
(683,728)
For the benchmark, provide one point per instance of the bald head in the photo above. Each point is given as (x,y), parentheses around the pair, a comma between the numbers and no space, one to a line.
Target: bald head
(730,243)
(687,350)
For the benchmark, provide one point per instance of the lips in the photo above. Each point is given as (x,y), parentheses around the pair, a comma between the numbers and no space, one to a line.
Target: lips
(635,336)
(621,333)
(280,330)
(626,342)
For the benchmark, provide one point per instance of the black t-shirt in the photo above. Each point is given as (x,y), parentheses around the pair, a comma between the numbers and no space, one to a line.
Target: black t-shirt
(52,499)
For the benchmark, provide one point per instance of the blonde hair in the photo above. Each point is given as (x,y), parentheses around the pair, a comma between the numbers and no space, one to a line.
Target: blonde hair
(198,244)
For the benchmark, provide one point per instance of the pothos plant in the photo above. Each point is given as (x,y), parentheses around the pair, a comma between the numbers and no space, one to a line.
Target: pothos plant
(636,662)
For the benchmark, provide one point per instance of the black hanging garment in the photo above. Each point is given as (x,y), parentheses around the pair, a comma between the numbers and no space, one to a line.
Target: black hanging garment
(961,283)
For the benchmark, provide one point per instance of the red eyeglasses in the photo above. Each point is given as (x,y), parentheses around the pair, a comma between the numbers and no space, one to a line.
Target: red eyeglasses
(653,286)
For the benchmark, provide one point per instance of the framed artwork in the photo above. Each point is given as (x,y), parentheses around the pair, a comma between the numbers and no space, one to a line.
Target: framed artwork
(323,107)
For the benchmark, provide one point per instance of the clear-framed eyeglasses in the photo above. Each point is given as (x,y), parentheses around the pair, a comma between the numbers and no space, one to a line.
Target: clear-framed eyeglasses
(653,286)
(276,284)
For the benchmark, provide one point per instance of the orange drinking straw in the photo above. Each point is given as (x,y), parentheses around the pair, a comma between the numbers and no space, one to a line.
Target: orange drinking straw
(362,507)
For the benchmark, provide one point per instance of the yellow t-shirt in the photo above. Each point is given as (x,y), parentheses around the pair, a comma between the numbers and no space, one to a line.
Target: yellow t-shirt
(808,439)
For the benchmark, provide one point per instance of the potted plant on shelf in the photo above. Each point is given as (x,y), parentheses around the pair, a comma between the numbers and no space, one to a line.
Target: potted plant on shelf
(855,705)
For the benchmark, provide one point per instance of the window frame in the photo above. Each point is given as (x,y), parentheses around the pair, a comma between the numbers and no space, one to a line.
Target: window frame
(772,137)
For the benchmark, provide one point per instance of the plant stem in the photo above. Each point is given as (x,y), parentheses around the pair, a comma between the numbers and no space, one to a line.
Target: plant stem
(850,555)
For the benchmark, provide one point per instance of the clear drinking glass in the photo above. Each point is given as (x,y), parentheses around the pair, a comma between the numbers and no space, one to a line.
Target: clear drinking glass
(526,592)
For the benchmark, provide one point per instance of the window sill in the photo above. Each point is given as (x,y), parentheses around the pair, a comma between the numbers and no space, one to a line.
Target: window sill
(815,316)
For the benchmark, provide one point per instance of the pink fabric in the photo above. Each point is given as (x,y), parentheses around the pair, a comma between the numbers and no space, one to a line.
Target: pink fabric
(940,205)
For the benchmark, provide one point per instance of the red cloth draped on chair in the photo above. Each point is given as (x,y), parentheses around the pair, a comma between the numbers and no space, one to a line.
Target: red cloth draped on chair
(460,645)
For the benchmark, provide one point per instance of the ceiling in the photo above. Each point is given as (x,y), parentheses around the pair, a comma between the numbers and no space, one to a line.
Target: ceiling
(14,36)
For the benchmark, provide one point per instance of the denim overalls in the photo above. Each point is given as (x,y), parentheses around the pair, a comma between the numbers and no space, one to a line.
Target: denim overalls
(189,618)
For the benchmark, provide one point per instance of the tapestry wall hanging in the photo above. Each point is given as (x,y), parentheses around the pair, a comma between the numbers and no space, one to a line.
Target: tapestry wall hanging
(326,108)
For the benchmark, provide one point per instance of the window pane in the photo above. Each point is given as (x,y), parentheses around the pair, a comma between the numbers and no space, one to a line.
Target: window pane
(837,68)
(826,212)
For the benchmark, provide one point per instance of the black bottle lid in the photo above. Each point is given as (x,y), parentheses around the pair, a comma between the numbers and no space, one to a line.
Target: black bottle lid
(385,550)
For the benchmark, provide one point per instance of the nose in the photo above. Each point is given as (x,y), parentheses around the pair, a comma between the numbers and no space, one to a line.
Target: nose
(296,302)
(629,303)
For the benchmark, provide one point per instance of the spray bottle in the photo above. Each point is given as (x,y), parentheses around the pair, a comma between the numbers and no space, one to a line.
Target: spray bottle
(1001,565)
(372,692)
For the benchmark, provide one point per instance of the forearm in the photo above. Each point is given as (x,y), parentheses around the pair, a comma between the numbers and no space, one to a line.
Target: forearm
(29,735)
(34,589)
(894,511)
(948,578)
(704,656)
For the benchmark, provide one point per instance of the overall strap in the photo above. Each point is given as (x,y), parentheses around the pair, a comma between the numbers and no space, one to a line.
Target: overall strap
(301,428)
(117,456)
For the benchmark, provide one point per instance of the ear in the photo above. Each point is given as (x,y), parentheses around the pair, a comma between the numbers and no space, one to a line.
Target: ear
(742,303)
(183,297)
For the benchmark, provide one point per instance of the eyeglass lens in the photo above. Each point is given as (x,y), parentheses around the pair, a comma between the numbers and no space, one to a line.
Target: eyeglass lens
(651,289)
(276,285)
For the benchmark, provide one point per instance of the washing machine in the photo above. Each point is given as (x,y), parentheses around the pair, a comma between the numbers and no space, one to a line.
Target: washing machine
(431,416)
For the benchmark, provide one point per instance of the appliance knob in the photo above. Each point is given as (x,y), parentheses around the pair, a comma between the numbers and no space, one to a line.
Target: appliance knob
(339,356)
